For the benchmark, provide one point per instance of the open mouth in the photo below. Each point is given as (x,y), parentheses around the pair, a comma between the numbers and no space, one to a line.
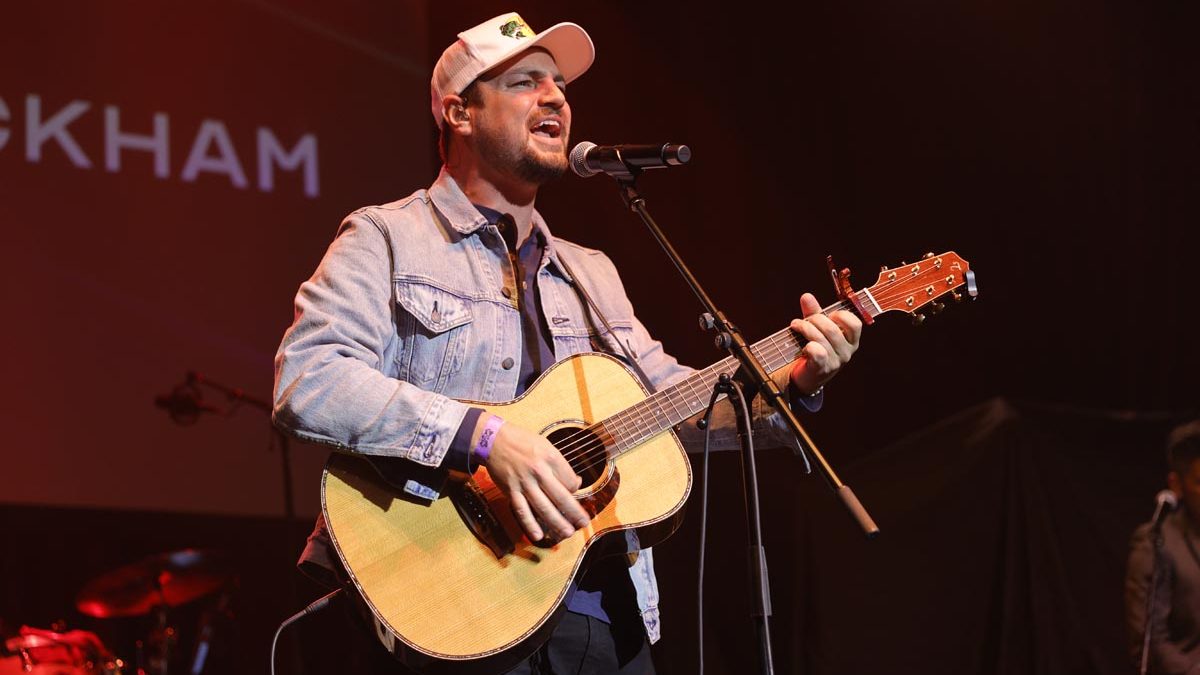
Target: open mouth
(548,128)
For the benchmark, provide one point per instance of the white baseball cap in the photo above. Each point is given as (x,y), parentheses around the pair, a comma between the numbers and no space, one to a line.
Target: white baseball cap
(481,48)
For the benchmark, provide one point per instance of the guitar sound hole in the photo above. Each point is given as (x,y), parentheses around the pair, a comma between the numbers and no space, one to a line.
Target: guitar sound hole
(583,450)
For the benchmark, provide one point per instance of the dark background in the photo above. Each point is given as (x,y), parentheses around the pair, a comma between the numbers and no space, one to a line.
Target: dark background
(1007,447)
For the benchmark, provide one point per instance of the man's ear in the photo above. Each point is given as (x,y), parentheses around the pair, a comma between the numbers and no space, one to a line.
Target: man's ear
(455,114)
(1174,483)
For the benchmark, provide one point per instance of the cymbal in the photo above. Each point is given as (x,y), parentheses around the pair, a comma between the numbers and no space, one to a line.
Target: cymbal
(167,579)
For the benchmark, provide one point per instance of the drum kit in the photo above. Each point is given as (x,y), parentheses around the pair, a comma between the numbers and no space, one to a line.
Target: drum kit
(152,589)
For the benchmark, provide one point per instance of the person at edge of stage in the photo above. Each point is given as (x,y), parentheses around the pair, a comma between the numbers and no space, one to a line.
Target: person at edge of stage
(1175,624)
(460,291)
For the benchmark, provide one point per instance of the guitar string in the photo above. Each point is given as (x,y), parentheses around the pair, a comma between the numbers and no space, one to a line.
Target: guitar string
(620,432)
(619,429)
(590,439)
(670,395)
(885,287)
(585,439)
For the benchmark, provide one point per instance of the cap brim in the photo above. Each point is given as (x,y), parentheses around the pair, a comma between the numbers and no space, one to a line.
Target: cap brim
(571,47)
(568,43)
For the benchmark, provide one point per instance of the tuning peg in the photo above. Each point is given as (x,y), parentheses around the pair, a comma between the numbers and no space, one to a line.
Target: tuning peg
(937,307)
(883,269)
(929,255)
(918,319)
(957,296)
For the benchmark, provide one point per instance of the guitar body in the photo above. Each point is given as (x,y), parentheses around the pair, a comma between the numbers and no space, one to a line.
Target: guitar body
(453,585)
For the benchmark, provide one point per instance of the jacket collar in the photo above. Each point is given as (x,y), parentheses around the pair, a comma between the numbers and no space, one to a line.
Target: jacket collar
(464,218)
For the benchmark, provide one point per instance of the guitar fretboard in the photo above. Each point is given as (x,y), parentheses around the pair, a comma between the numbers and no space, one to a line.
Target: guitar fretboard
(676,403)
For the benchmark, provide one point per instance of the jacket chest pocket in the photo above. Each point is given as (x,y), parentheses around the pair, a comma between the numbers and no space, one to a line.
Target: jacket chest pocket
(574,332)
(433,328)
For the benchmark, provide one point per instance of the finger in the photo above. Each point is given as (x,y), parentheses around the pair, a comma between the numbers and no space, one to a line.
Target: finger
(835,338)
(566,504)
(809,331)
(546,509)
(564,472)
(809,305)
(817,355)
(851,326)
(520,509)
(811,370)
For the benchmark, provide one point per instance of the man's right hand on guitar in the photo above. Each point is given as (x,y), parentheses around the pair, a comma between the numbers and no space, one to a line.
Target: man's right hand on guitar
(537,480)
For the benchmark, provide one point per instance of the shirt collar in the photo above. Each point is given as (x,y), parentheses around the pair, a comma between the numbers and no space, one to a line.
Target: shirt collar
(494,217)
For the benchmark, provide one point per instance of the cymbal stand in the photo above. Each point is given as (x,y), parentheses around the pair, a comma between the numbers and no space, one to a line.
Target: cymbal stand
(154,653)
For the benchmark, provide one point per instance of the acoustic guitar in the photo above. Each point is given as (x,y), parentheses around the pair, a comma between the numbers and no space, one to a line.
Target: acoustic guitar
(452,583)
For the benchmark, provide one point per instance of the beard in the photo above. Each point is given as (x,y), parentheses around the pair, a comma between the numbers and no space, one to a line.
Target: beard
(539,170)
(510,156)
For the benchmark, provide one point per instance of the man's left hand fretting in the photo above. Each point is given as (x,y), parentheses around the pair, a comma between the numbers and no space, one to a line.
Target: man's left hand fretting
(832,341)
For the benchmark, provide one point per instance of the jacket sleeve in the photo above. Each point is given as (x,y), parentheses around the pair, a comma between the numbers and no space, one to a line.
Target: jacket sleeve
(331,371)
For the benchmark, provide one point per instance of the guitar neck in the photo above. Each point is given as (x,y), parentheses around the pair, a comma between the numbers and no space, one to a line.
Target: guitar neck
(676,403)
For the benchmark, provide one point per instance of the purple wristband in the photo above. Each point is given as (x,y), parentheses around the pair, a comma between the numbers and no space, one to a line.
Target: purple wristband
(483,447)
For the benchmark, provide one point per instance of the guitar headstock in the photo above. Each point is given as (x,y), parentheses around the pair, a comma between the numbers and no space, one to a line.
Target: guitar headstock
(913,286)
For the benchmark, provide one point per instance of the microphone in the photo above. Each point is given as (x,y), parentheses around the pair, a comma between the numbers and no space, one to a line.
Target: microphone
(625,161)
(1165,502)
(184,404)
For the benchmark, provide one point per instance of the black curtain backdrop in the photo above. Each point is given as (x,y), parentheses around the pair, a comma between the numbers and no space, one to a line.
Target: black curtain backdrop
(1005,530)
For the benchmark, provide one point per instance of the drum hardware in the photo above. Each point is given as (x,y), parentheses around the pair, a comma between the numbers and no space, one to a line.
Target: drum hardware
(57,652)
(154,586)
(162,581)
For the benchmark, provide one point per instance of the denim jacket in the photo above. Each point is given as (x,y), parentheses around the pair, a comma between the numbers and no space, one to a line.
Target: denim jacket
(415,305)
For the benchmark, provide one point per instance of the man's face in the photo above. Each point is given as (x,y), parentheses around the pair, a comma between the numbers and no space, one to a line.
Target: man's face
(1187,486)
(522,122)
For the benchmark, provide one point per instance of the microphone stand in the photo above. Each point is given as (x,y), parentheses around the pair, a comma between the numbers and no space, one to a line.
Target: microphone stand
(1155,576)
(238,395)
(1148,625)
(730,338)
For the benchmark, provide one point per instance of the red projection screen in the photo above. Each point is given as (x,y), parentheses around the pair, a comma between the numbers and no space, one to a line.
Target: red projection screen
(169,174)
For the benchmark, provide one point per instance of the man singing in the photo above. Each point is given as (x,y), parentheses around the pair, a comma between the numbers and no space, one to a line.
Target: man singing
(461,292)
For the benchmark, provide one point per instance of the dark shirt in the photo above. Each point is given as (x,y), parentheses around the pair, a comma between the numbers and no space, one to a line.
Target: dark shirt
(537,353)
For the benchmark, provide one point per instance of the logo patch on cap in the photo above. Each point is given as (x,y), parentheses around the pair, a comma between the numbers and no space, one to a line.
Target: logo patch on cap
(516,29)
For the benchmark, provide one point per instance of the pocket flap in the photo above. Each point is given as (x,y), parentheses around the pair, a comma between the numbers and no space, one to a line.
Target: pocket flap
(436,309)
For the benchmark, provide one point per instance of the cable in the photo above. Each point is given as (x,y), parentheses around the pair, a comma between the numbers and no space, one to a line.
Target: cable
(764,599)
(703,538)
(725,383)
(316,605)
